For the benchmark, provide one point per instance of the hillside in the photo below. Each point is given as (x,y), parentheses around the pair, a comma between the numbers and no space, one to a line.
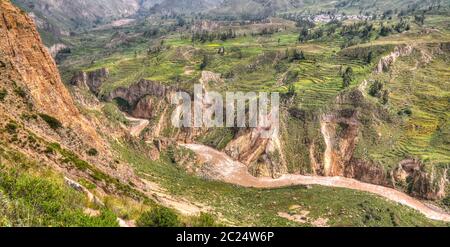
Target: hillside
(363,110)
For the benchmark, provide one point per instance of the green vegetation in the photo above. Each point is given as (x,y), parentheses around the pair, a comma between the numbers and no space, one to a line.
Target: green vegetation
(92,152)
(20,92)
(34,196)
(159,217)
(113,114)
(11,128)
(347,77)
(204,220)
(3,94)
(72,160)
(51,121)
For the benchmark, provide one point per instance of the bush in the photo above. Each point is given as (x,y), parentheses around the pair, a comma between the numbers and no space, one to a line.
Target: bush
(3,94)
(20,92)
(405,112)
(446,201)
(11,128)
(51,121)
(159,217)
(204,63)
(92,152)
(347,77)
(375,89)
(204,220)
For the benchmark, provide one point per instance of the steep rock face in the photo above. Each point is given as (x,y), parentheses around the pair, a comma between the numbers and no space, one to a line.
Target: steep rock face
(21,48)
(427,185)
(261,150)
(340,131)
(92,80)
(148,108)
(430,186)
(367,172)
(48,128)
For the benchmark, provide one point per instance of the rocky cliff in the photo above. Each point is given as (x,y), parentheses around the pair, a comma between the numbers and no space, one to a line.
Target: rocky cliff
(91,80)
(30,63)
(39,121)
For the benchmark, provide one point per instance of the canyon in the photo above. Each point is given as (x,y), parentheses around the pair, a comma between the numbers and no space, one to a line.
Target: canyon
(362,125)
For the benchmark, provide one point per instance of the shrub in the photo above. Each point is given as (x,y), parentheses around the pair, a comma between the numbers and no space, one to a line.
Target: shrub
(204,63)
(405,112)
(11,128)
(159,217)
(446,201)
(51,121)
(347,77)
(3,94)
(204,220)
(92,152)
(375,89)
(20,92)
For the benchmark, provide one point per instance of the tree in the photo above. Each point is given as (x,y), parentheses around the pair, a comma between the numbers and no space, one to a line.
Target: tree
(347,77)
(385,97)
(204,62)
(369,57)
(375,89)
(303,35)
(385,31)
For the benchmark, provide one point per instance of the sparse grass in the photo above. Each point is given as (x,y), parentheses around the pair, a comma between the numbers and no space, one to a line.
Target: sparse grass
(31,195)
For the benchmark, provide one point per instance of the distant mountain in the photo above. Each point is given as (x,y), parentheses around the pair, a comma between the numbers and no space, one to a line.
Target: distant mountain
(180,6)
(60,17)
(77,13)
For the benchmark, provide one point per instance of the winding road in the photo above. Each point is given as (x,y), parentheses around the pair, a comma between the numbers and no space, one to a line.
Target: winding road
(137,129)
(226,169)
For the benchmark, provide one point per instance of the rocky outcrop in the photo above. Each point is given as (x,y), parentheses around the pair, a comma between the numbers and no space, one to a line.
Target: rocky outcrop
(148,107)
(209,77)
(386,62)
(260,151)
(367,172)
(340,132)
(134,93)
(92,80)
(56,48)
(428,185)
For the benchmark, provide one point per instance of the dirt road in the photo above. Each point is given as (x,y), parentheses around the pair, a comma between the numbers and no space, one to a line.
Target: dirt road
(230,171)
(139,127)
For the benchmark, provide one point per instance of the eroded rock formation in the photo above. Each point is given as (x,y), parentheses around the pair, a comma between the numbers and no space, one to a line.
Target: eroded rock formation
(92,80)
